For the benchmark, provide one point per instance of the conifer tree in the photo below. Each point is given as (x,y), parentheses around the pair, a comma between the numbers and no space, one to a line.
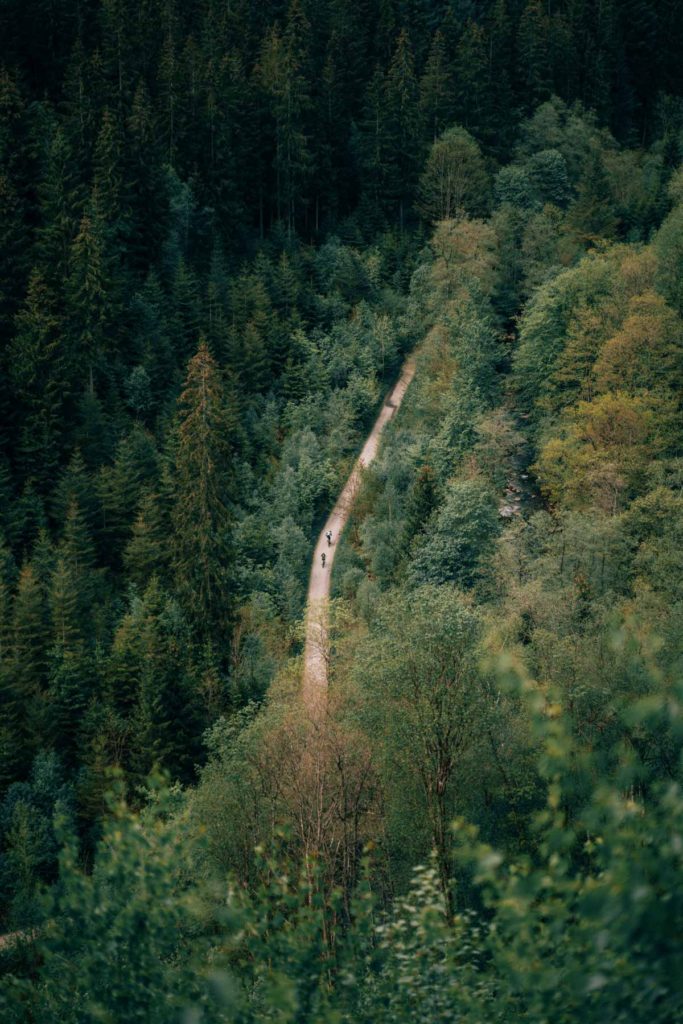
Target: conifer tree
(373,145)
(404,121)
(185,317)
(30,660)
(116,32)
(38,372)
(10,706)
(471,62)
(500,75)
(13,232)
(60,199)
(135,468)
(436,89)
(109,182)
(169,87)
(592,216)
(331,135)
(66,606)
(203,490)
(147,198)
(533,55)
(90,294)
(146,553)
(72,591)
(149,672)
(282,68)
(79,102)
(74,581)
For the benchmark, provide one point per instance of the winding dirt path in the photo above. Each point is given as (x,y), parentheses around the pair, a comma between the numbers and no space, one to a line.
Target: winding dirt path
(316,651)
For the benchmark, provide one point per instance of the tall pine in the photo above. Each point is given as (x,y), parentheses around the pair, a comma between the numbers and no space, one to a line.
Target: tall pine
(203,490)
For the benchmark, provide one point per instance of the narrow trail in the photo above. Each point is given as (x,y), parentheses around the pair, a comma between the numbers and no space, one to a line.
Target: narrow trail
(316,651)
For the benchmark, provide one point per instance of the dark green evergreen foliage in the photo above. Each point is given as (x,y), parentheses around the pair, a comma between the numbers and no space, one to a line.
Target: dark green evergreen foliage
(29,844)
(592,216)
(421,502)
(204,488)
(30,656)
(38,369)
(212,228)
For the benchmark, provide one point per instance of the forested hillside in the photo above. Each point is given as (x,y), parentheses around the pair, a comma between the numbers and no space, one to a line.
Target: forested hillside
(225,224)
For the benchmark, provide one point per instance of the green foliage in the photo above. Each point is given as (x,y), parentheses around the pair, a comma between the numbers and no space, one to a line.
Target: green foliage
(203,487)
(110,949)
(234,196)
(459,536)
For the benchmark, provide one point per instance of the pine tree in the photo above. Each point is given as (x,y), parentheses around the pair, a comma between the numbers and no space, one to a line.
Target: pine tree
(121,486)
(66,606)
(38,372)
(282,71)
(500,75)
(26,519)
(60,199)
(76,546)
(109,183)
(203,481)
(422,500)
(372,143)
(13,232)
(184,325)
(92,299)
(591,217)
(148,670)
(168,78)
(472,91)
(331,136)
(77,577)
(436,89)
(146,198)
(146,553)
(71,689)
(533,55)
(116,36)
(10,705)
(30,660)
(404,121)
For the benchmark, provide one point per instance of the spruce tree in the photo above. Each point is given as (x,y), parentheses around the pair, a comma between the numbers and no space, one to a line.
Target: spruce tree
(14,237)
(372,143)
(71,671)
(534,72)
(74,582)
(10,704)
(404,121)
(30,660)
(203,490)
(592,217)
(472,90)
(38,374)
(109,181)
(282,71)
(146,553)
(91,295)
(60,197)
(146,197)
(436,89)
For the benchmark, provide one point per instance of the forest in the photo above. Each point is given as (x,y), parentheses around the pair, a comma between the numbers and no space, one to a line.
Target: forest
(225,225)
